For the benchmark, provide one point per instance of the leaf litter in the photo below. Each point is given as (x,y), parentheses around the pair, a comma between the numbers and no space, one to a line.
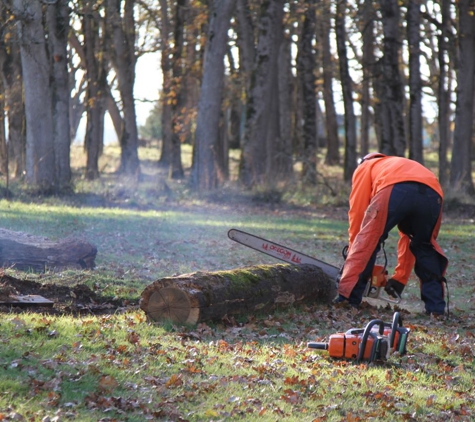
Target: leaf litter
(240,369)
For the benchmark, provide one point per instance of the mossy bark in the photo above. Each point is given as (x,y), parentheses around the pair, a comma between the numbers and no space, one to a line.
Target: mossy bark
(200,296)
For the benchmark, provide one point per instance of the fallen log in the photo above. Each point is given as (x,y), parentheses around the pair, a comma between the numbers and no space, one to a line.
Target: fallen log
(197,297)
(26,252)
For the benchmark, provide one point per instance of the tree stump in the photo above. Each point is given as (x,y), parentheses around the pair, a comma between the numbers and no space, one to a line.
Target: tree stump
(198,297)
(26,252)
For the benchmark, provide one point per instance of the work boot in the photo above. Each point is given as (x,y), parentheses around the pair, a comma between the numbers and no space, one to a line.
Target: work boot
(436,315)
(432,294)
(343,301)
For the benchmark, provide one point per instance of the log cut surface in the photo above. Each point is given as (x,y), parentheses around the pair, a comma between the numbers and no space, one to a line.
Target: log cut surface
(26,252)
(198,297)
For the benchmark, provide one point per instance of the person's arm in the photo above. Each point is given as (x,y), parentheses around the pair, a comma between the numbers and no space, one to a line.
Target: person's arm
(360,198)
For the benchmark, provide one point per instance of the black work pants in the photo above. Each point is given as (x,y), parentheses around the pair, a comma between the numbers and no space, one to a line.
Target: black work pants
(415,208)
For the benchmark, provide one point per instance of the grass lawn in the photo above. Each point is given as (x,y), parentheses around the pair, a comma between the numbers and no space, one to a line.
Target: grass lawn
(119,367)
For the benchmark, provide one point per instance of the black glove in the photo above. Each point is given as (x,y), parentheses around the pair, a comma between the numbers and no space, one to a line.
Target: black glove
(394,288)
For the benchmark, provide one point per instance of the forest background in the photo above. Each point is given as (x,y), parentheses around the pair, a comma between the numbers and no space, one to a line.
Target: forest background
(275,80)
(263,111)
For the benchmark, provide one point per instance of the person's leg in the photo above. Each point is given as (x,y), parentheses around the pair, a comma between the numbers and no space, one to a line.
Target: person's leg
(429,265)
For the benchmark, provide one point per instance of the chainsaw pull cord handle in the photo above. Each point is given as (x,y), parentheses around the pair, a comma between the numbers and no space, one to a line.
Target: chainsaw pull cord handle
(366,334)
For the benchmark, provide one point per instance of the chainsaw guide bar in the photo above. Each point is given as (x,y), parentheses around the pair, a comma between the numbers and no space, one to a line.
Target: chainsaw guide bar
(26,300)
(283,253)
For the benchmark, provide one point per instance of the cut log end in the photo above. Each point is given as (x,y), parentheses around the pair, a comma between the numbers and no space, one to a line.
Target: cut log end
(172,304)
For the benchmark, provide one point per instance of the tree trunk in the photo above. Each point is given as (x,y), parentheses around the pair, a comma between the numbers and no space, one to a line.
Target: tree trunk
(306,67)
(114,112)
(165,98)
(283,161)
(198,297)
(123,54)
(232,116)
(3,136)
(393,141)
(15,104)
(254,146)
(3,132)
(368,60)
(415,82)
(77,106)
(58,29)
(461,165)
(94,93)
(272,133)
(10,71)
(444,94)
(331,123)
(246,44)
(347,89)
(176,92)
(40,153)
(247,53)
(34,253)
(205,167)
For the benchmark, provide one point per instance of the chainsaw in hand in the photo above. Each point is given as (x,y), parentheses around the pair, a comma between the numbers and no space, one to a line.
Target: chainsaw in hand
(375,285)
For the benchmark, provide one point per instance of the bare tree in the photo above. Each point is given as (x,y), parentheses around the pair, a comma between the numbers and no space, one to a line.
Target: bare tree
(247,51)
(368,59)
(283,164)
(255,153)
(57,18)
(122,27)
(77,107)
(40,153)
(306,67)
(331,123)
(391,92)
(205,172)
(461,165)
(347,89)
(165,95)
(176,91)
(415,81)
(95,92)
(10,66)
(443,92)
(3,134)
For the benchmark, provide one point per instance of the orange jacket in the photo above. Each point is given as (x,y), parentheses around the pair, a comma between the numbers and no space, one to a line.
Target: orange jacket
(375,174)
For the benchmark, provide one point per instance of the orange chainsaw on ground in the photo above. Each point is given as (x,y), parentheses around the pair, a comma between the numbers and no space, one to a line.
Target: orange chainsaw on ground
(376,342)
(375,285)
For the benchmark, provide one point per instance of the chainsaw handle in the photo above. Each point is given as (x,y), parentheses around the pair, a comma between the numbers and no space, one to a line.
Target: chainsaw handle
(366,334)
(316,345)
(397,322)
(344,252)
(377,295)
